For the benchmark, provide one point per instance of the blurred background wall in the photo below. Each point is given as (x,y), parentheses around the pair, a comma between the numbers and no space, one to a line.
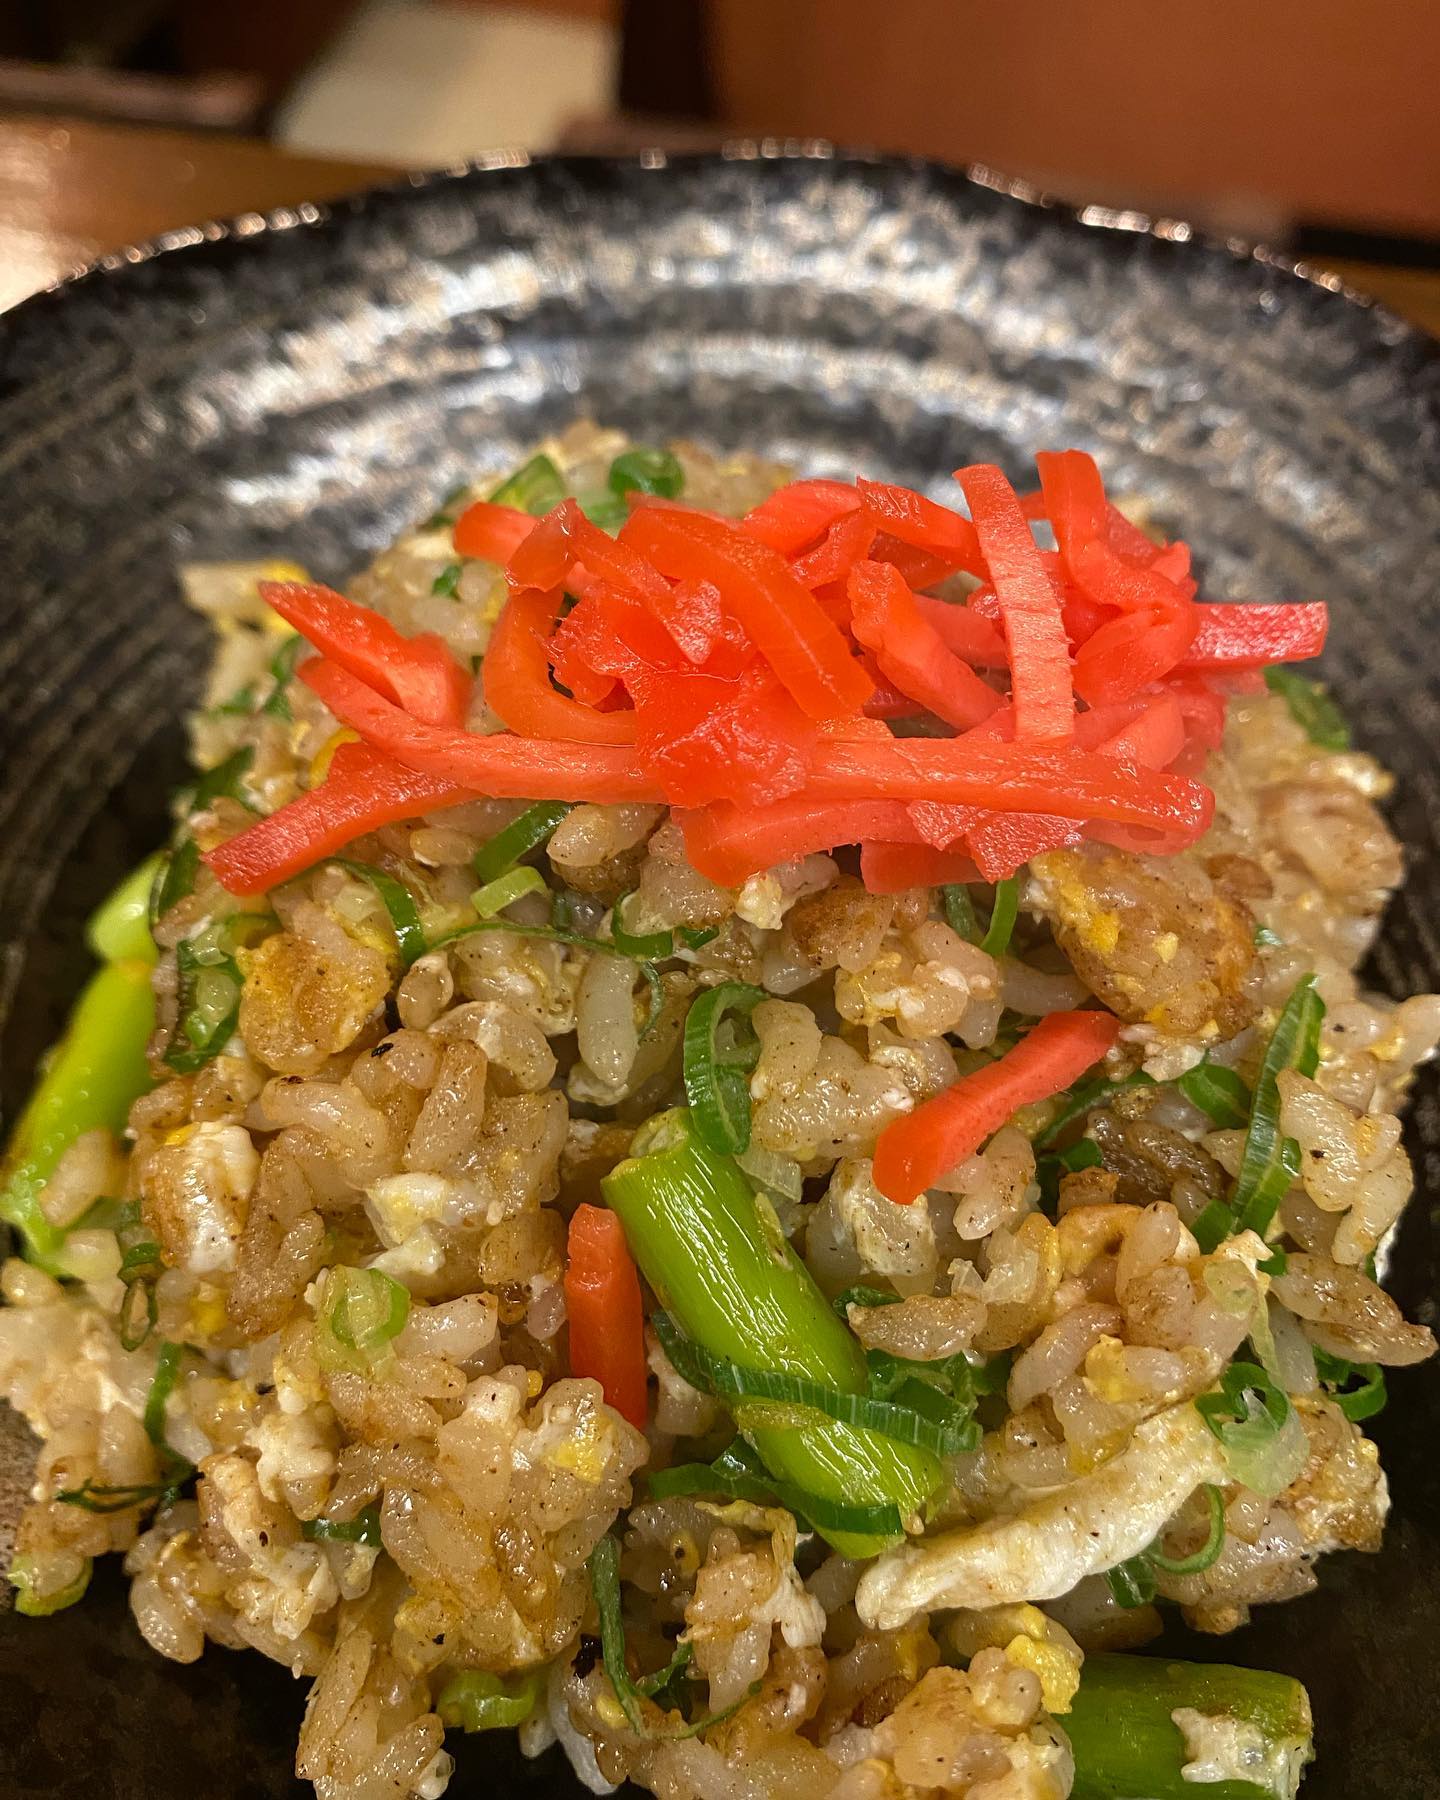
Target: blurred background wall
(1313,123)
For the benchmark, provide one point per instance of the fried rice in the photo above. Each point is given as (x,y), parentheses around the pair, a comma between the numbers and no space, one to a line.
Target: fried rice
(414,1532)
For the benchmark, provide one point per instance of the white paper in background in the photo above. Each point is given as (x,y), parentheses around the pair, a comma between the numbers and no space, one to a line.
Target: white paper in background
(420,84)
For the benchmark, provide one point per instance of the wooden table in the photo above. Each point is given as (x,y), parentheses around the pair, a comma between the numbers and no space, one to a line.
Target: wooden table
(70,191)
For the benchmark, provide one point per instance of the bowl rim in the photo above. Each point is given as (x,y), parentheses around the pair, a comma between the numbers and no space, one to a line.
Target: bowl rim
(1106,222)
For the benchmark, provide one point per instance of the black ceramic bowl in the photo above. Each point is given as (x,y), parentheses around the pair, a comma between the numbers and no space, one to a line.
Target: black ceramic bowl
(307,384)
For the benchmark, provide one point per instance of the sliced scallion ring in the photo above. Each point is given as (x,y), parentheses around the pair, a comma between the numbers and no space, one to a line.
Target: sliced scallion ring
(364,1528)
(647,471)
(717,1078)
(535,487)
(522,835)
(922,1421)
(505,890)
(1199,1560)
(399,904)
(1003,915)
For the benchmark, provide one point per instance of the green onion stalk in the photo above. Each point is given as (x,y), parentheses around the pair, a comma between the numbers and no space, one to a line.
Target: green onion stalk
(1128,1747)
(90,1080)
(734,1286)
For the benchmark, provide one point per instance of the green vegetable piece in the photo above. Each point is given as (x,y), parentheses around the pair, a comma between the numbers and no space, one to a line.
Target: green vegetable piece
(364,1528)
(445,513)
(476,1700)
(533,828)
(1264,1443)
(1132,1583)
(534,488)
(1311,707)
(717,1074)
(1271,1163)
(1213,1224)
(693,1225)
(1083,1098)
(364,1309)
(1358,1389)
(648,945)
(505,890)
(119,928)
(1003,915)
(960,912)
(1218,1092)
(920,1418)
(1128,1747)
(860,1295)
(399,904)
(167,1370)
(1266,939)
(209,1003)
(97,1497)
(739,1473)
(648,472)
(446,582)
(1198,1560)
(227,779)
(35,1605)
(282,673)
(89,1081)
(175,878)
(604,1571)
(605,511)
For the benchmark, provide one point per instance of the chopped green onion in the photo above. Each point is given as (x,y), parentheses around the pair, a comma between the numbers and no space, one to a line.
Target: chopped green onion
(738,1472)
(1358,1389)
(1266,939)
(33,1605)
(925,1422)
(604,1569)
(364,1308)
(534,488)
(1311,708)
(648,945)
(1127,1746)
(175,1469)
(606,511)
(1270,1162)
(1084,1153)
(647,471)
(282,673)
(1084,1097)
(505,890)
(226,780)
(860,1295)
(1132,1583)
(90,1079)
(1276,1263)
(476,1700)
(736,1287)
(1006,910)
(97,1497)
(717,1081)
(167,1369)
(1212,1225)
(960,912)
(240,704)
(1218,1092)
(656,1006)
(399,905)
(1199,1560)
(209,1005)
(446,582)
(139,1314)
(174,878)
(119,928)
(533,827)
(445,513)
(364,1528)
(651,1685)
(1263,1440)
